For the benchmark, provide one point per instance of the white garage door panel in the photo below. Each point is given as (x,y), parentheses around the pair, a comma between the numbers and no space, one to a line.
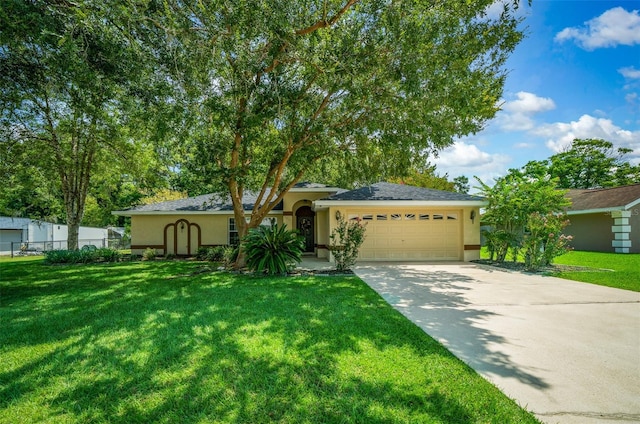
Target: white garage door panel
(411,238)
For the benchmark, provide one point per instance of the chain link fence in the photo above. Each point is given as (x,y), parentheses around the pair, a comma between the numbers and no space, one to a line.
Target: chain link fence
(40,247)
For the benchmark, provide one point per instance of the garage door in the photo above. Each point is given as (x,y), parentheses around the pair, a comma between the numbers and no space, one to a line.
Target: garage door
(411,235)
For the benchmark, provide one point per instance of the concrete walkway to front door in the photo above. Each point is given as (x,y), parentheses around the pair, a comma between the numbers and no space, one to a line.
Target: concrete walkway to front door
(567,351)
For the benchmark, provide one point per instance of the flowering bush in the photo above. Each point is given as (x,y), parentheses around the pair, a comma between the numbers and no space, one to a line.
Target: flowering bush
(346,240)
(544,240)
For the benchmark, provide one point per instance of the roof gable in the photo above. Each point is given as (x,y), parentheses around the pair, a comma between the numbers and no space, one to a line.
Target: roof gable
(604,198)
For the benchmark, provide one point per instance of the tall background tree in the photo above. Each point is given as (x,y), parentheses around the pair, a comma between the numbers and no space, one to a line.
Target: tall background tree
(66,78)
(588,163)
(273,90)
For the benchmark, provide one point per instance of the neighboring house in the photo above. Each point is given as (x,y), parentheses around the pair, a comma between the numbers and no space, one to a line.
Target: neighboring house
(41,235)
(403,222)
(606,219)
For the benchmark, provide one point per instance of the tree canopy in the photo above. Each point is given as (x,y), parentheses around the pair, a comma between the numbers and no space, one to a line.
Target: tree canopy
(249,95)
(271,90)
(525,212)
(588,163)
(66,80)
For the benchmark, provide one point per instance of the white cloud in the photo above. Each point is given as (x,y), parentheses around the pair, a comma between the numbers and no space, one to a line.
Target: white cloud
(614,27)
(464,158)
(517,115)
(560,134)
(630,72)
(529,103)
(495,9)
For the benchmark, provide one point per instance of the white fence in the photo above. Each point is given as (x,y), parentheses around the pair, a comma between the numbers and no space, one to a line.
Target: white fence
(39,247)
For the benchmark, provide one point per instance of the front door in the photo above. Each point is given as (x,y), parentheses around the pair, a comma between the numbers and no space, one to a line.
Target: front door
(305,226)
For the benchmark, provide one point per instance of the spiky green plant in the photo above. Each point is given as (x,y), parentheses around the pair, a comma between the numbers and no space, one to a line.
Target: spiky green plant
(273,250)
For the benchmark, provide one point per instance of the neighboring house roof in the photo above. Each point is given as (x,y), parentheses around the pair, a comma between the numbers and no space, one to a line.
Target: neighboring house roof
(603,199)
(11,223)
(400,194)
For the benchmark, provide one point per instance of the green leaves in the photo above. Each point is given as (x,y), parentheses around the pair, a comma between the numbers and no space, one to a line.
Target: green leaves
(272,250)
(373,85)
(588,163)
(346,240)
(514,204)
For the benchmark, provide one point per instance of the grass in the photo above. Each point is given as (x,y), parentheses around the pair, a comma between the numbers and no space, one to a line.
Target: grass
(625,267)
(164,342)
(618,270)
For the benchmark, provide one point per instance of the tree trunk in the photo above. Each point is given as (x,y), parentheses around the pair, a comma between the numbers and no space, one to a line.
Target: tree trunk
(72,236)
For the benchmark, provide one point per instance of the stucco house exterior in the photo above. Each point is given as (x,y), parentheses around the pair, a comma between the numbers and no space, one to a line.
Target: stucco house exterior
(403,222)
(605,219)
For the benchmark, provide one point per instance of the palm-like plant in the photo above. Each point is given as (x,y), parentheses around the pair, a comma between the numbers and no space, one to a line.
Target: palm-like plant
(273,250)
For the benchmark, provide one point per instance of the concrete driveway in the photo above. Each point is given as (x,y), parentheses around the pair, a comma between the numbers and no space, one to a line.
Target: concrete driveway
(569,352)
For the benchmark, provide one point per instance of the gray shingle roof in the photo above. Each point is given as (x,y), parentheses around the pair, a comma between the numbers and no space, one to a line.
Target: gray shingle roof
(388,191)
(603,198)
(378,191)
(203,203)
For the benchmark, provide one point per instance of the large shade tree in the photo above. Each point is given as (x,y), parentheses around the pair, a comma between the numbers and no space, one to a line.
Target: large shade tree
(65,81)
(274,89)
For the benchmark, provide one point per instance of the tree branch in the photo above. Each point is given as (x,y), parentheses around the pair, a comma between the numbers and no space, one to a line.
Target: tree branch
(324,22)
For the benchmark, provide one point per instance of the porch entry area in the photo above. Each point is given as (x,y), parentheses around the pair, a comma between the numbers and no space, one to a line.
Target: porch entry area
(305,224)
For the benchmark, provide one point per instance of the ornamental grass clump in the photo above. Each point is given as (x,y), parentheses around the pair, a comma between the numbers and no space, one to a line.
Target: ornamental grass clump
(273,249)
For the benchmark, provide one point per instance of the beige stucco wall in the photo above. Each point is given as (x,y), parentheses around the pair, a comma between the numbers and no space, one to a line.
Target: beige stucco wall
(149,231)
(293,201)
(291,198)
(322,228)
(471,240)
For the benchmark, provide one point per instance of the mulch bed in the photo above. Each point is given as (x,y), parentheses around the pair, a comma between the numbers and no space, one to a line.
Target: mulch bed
(550,269)
(323,272)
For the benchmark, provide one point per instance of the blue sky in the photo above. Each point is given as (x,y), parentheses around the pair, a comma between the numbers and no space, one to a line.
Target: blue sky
(576,75)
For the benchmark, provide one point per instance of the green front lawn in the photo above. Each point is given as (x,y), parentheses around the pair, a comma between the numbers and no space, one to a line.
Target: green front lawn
(609,269)
(166,342)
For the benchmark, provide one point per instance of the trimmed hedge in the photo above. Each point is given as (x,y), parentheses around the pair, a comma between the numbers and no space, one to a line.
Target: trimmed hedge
(83,256)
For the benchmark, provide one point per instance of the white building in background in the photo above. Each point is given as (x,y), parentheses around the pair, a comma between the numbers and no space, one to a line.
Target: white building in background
(40,235)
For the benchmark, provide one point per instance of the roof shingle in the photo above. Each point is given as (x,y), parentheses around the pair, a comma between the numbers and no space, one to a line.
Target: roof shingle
(202,203)
(389,191)
(603,198)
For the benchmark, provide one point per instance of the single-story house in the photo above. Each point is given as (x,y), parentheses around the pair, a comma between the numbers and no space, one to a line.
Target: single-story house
(403,222)
(605,219)
(41,235)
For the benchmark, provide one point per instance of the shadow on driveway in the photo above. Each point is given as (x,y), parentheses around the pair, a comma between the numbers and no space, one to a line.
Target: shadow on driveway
(435,301)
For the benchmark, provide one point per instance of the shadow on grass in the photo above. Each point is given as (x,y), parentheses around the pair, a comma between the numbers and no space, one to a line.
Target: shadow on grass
(134,343)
